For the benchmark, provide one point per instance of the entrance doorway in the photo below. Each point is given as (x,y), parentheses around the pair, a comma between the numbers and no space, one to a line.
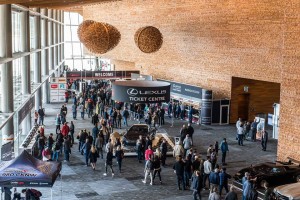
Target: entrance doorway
(243,106)
(224,115)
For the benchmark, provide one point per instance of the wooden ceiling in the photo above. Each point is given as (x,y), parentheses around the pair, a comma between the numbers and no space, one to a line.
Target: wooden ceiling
(73,5)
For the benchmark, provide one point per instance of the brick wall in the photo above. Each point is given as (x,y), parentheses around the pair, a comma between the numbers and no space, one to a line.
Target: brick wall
(206,42)
(289,137)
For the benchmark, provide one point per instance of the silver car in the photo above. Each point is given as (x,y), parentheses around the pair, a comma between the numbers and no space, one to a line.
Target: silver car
(288,192)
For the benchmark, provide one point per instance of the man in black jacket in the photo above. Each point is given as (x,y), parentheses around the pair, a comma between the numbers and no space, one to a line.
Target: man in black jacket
(164,150)
(190,131)
(179,171)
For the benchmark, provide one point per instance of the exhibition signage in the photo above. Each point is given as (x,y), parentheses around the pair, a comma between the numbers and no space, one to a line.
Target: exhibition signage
(141,91)
(27,171)
(185,90)
(58,87)
(26,108)
(99,74)
(6,151)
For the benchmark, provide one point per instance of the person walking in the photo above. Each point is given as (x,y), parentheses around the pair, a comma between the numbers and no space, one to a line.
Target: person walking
(183,132)
(72,130)
(187,170)
(187,143)
(67,148)
(95,132)
(163,150)
(207,171)
(65,129)
(119,156)
(241,134)
(214,194)
(81,109)
(139,150)
(157,168)
(223,180)
(264,140)
(99,144)
(148,153)
(93,155)
(109,162)
(179,171)
(149,170)
(57,123)
(224,149)
(214,179)
(41,112)
(86,148)
(197,184)
(253,130)
(125,115)
(231,195)
(190,131)
(74,111)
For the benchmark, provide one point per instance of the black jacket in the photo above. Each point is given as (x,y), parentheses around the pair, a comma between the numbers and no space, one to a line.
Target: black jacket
(179,168)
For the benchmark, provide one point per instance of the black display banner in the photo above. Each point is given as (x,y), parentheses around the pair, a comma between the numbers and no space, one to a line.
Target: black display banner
(186,90)
(99,74)
(23,112)
(141,91)
(6,151)
(206,107)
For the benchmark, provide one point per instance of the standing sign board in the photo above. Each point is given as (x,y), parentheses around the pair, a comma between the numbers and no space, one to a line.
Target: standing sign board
(58,86)
(25,109)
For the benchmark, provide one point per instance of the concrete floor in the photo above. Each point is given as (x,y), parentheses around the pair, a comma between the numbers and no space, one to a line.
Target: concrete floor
(81,182)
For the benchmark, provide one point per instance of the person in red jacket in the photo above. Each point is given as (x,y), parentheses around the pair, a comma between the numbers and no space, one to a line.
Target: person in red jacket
(148,153)
(65,129)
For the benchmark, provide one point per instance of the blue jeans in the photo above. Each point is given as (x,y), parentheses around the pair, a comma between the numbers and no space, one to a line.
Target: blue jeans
(67,156)
(86,156)
(187,176)
(125,121)
(55,155)
(74,115)
(82,115)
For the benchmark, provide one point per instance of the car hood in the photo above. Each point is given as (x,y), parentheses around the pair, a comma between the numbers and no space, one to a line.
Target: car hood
(289,190)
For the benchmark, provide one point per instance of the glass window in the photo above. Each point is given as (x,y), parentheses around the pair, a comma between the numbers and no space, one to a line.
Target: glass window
(16,32)
(68,50)
(77,50)
(32,33)
(74,33)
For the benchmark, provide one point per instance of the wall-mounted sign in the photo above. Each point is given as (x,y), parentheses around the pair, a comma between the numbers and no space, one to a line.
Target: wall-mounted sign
(25,109)
(99,74)
(58,88)
(141,91)
(191,92)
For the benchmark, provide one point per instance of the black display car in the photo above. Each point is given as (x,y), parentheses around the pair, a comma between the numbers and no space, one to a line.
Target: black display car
(277,173)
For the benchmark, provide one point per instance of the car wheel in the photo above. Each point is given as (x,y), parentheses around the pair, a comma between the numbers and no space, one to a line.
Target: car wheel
(262,183)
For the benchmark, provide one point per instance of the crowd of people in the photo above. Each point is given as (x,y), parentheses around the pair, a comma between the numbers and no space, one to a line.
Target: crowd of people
(192,172)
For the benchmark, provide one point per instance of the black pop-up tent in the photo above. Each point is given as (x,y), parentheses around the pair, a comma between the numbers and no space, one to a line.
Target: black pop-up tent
(27,171)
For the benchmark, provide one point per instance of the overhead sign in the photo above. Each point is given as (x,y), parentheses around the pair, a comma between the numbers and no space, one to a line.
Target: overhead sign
(141,91)
(99,74)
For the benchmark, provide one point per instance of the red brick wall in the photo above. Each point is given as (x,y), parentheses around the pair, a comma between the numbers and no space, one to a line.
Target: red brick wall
(289,137)
(206,42)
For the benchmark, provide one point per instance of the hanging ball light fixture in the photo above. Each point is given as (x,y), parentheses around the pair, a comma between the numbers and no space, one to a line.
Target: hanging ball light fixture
(148,39)
(98,37)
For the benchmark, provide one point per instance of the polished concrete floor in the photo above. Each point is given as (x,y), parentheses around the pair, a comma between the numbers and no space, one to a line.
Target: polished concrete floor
(81,182)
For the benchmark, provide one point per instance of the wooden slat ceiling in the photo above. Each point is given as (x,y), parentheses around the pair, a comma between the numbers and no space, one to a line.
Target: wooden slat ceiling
(74,5)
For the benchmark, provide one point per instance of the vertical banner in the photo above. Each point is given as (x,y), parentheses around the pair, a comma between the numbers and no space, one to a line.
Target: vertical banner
(7,149)
(206,107)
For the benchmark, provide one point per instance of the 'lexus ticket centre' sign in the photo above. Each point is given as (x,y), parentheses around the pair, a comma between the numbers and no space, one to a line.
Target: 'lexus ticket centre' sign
(141,91)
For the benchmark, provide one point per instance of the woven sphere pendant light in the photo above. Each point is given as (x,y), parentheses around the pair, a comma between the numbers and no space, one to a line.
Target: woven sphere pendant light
(98,37)
(148,39)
